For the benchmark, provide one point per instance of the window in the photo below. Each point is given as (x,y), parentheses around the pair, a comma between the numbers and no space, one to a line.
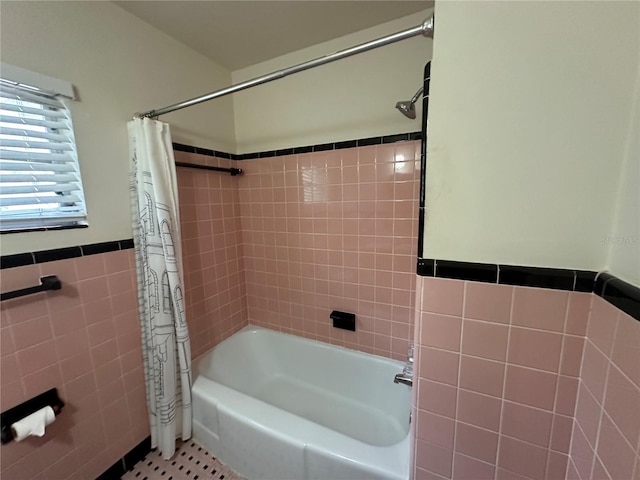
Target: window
(40,184)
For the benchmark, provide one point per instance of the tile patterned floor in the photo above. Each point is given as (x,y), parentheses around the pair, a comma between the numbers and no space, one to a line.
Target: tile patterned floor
(191,462)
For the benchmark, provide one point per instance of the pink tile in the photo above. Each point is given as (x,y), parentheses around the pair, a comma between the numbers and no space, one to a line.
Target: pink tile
(467,468)
(81,386)
(9,369)
(441,331)
(71,343)
(75,366)
(594,370)
(7,346)
(42,380)
(578,313)
(90,266)
(31,332)
(476,442)
(439,365)
(434,458)
(101,332)
(435,429)
(483,376)
(535,348)
(37,357)
(561,433)
(582,453)
(484,339)
(522,458)
(617,456)
(622,404)
(626,348)
(556,466)
(437,397)
(539,308)
(442,296)
(479,410)
(488,302)
(566,395)
(502,474)
(526,423)
(572,349)
(530,387)
(599,472)
(601,327)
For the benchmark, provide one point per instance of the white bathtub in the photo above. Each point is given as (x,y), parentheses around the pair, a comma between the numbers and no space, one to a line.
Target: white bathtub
(276,406)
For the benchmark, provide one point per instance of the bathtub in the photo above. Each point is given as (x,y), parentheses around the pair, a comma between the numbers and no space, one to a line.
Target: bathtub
(276,406)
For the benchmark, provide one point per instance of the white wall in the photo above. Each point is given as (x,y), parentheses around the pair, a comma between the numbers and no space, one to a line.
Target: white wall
(529,114)
(348,99)
(119,65)
(624,241)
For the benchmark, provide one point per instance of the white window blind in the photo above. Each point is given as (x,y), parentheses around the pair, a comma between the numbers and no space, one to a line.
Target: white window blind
(40,184)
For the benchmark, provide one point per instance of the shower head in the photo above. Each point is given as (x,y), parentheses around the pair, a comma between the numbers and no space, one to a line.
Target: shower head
(408,107)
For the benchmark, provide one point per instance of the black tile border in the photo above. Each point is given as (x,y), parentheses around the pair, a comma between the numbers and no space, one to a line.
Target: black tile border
(126,463)
(619,293)
(323,147)
(43,256)
(423,157)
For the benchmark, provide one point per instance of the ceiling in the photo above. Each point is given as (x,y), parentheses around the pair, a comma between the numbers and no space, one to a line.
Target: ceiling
(236,34)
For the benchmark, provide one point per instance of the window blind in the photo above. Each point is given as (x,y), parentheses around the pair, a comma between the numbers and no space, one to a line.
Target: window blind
(40,183)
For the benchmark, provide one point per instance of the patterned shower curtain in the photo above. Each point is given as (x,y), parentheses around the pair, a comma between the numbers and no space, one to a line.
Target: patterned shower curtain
(156,234)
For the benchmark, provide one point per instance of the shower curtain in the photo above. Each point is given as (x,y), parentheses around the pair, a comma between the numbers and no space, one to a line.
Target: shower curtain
(156,235)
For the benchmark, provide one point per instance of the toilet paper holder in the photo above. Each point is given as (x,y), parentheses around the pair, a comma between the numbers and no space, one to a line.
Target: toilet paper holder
(49,398)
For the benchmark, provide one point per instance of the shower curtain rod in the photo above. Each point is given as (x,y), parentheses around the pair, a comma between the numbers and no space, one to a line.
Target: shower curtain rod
(426,29)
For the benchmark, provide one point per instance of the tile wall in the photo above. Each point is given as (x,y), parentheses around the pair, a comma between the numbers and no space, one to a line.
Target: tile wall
(333,230)
(606,433)
(498,369)
(212,251)
(85,340)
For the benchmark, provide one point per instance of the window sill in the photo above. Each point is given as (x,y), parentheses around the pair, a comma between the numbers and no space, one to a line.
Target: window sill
(45,228)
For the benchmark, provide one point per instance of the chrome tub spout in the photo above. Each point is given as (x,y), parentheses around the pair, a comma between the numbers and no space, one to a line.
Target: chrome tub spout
(404,379)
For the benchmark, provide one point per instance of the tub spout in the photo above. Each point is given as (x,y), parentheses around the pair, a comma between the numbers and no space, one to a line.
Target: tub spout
(404,379)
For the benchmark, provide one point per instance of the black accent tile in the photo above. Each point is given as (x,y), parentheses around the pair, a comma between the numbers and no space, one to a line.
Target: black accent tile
(364,142)
(585,281)
(601,280)
(343,320)
(204,151)
(554,278)
(17,260)
(420,232)
(179,147)
(284,151)
(323,147)
(224,155)
(427,70)
(126,244)
(475,272)
(427,85)
(426,267)
(57,254)
(96,248)
(623,295)
(137,453)
(271,153)
(346,144)
(415,136)
(401,137)
(305,149)
(114,472)
(247,156)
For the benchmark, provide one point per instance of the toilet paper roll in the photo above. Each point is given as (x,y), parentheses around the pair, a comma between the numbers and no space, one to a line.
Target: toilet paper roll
(33,424)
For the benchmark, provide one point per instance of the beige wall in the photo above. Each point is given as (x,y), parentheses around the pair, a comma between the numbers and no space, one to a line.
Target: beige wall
(348,99)
(529,116)
(624,241)
(119,65)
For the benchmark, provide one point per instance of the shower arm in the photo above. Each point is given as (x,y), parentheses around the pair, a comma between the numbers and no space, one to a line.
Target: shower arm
(415,98)
(425,28)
